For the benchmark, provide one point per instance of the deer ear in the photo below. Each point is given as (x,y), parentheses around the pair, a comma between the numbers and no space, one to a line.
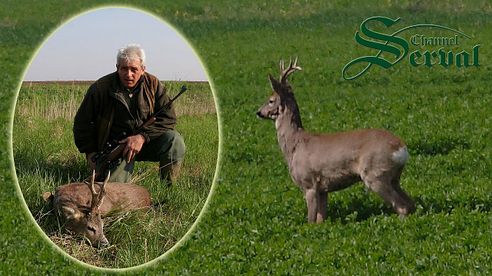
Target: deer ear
(47,196)
(71,213)
(274,83)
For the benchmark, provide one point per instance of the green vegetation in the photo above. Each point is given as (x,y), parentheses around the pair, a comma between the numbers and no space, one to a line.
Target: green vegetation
(255,222)
(46,157)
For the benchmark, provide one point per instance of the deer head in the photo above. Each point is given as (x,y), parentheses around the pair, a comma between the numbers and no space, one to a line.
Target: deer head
(282,92)
(88,221)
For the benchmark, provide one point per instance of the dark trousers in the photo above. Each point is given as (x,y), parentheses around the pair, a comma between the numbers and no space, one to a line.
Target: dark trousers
(168,150)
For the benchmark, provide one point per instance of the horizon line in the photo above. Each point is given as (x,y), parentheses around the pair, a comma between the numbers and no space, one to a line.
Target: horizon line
(92,81)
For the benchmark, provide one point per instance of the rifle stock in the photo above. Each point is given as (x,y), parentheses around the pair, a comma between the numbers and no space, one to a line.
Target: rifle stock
(113,155)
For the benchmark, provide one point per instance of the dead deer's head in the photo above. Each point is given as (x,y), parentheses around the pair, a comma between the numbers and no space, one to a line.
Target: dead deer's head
(282,92)
(88,222)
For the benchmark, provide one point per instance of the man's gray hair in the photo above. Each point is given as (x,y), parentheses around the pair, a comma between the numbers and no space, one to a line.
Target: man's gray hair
(130,52)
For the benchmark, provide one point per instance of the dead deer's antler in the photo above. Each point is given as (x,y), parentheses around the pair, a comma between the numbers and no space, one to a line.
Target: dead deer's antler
(284,73)
(97,198)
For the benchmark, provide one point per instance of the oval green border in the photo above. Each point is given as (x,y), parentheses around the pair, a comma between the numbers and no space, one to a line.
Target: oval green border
(20,195)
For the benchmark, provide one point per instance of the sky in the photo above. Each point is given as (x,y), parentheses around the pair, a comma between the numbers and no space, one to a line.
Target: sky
(85,47)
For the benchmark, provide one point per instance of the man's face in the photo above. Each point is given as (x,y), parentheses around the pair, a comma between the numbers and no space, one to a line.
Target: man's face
(130,72)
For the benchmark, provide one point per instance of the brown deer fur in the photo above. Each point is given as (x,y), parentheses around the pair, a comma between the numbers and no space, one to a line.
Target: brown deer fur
(83,205)
(323,163)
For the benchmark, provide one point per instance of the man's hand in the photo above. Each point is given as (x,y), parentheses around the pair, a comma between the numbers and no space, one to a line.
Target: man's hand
(92,164)
(133,146)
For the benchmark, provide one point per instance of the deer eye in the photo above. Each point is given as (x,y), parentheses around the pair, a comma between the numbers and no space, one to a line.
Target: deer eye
(271,101)
(92,229)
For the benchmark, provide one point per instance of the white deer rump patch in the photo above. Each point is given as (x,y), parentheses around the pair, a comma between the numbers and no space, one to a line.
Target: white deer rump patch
(401,156)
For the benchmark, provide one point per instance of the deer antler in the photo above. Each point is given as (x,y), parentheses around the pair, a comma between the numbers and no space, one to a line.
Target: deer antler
(97,198)
(286,72)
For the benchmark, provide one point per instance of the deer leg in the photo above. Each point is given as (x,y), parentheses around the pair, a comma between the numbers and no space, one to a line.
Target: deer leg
(390,192)
(406,206)
(312,201)
(322,207)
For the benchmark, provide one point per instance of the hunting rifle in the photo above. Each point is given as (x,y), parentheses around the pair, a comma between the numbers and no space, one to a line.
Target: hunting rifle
(113,150)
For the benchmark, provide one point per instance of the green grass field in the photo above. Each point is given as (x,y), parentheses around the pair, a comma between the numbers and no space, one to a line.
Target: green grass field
(256,220)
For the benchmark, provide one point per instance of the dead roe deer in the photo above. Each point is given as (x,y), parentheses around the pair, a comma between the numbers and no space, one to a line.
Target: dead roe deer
(323,163)
(83,205)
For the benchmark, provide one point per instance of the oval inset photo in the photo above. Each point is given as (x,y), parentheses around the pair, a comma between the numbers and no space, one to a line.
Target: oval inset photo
(115,137)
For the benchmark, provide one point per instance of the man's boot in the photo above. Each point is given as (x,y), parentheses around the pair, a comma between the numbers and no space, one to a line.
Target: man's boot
(170,173)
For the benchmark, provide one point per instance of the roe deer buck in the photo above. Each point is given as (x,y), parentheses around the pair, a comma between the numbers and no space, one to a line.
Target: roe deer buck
(323,163)
(83,205)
